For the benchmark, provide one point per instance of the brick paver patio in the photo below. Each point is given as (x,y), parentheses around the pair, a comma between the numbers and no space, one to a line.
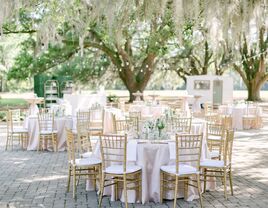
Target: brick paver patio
(32,179)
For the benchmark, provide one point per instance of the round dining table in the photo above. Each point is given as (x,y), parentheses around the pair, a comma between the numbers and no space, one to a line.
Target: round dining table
(31,123)
(238,111)
(150,155)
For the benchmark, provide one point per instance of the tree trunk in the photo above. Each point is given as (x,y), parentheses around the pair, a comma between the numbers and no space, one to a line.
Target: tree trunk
(254,92)
(134,90)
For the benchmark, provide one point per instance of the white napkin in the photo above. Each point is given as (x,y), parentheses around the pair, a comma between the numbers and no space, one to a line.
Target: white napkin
(132,150)
(172,150)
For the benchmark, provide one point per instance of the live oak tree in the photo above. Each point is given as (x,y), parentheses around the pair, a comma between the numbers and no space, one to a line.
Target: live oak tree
(253,69)
(133,43)
(134,34)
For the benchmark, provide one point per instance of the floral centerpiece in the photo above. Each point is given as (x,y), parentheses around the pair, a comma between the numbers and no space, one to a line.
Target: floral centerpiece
(160,126)
(153,129)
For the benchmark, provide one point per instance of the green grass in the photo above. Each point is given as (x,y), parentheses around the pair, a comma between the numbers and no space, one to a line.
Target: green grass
(12,102)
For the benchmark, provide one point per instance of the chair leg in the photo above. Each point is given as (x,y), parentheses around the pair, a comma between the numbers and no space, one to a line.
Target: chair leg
(205,180)
(69,178)
(12,142)
(94,178)
(115,189)
(101,188)
(74,182)
(186,188)
(140,187)
(224,183)
(125,190)
(161,186)
(199,190)
(7,142)
(231,181)
(176,191)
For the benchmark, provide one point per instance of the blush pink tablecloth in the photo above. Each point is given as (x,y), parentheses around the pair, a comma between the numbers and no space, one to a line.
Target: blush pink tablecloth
(31,123)
(150,157)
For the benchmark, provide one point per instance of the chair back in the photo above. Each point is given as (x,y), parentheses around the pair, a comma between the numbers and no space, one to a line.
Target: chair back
(113,150)
(181,124)
(96,114)
(227,121)
(208,107)
(133,122)
(215,130)
(228,147)
(70,143)
(213,118)
(82,125)
(135,114)
(82,121)
(46,121)
(188,150)
(120,125)
(9,121)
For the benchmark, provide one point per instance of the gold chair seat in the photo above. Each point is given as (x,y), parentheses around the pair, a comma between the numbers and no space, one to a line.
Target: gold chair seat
(86,155)
(214,154)
(19,130)
(118,169)
(183,169)
(214,137)
(212,163)
(48,131)
(80,162)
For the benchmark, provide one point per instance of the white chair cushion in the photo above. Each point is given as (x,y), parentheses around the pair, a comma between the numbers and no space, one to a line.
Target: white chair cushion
(249,116)
(214,153)
(48,131)
(214,137)
(74,131)
(19,130)
(86,162)
(86,155)
(118,169)
(183,169)
(212,163)
(95,128)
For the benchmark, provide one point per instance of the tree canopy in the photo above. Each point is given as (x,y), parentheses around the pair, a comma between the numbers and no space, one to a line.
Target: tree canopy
(87,38)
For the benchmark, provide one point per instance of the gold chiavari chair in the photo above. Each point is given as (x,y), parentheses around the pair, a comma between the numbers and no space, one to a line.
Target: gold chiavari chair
(133,123)
(215,137)
(15,131)
(227,121)
(135,114)
(121,126)
(213,118)
(186,169)
(250,119)
(180,124)
(77,167)
(83,137)
(47,131)
(115,170)
(133,120)
(221,168)
(96,121)
(209,109)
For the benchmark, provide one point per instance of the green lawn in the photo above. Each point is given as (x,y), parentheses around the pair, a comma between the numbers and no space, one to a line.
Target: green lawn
(12,102)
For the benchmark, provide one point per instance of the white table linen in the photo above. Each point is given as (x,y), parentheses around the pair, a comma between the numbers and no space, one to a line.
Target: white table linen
(237,112)
(31,123)
(150,157)
(84,101)
(154,110)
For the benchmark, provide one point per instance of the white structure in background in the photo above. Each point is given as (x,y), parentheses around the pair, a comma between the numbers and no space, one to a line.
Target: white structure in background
(208,88)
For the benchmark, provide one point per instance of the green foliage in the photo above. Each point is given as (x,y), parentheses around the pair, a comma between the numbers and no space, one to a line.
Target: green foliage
(12,102)
(112,98)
